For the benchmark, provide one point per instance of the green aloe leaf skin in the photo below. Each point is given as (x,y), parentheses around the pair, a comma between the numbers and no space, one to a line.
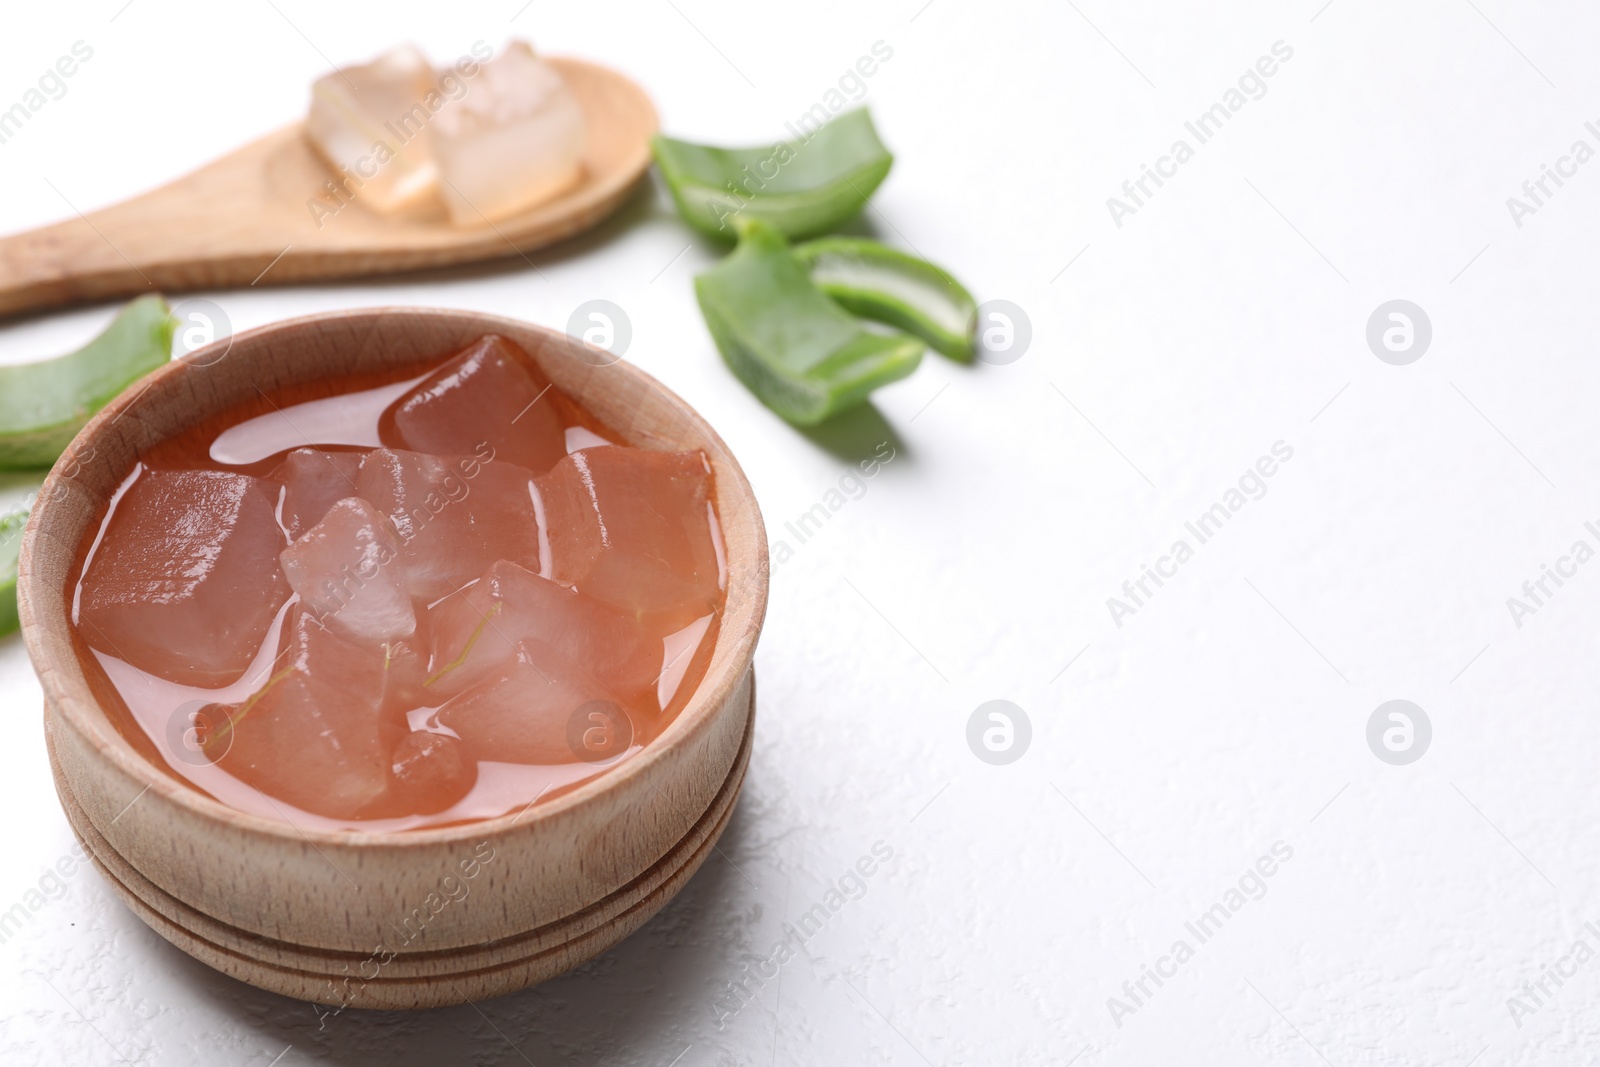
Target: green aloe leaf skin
(44,405)
(886,285)
(11,525)
(799,188)
(803,355)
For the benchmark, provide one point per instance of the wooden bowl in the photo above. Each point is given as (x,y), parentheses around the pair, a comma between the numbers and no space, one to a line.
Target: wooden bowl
(386,920)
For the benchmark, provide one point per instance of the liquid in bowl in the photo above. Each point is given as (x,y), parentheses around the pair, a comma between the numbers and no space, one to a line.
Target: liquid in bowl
(440,596)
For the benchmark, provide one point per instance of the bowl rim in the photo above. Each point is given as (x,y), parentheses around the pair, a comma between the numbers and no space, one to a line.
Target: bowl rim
(66,687)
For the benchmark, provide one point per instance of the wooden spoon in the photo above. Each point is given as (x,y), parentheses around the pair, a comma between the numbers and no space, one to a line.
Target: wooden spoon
(247,219)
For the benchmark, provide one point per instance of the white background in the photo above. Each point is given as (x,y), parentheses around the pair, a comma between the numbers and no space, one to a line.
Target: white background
(1228,714)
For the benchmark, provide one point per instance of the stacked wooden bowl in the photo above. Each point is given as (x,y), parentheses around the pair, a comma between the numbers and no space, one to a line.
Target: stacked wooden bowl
(387,920)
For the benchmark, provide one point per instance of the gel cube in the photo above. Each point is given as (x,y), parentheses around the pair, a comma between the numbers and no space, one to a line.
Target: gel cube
(454,515)
(314,735)
(370,122)
(515,141)
(313,480)
(535,709)
(347,570)
(475,634)
(632,529)
(489,401)
(185,582)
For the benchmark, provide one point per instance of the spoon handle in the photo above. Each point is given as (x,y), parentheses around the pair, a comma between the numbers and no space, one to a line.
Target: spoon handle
(217,227)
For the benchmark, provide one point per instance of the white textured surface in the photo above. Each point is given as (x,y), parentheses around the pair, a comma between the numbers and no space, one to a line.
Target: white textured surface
(1173,751)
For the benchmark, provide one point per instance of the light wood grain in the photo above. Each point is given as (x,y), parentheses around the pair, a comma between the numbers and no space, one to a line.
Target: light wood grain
(417,979)
(285,908)
(245,219)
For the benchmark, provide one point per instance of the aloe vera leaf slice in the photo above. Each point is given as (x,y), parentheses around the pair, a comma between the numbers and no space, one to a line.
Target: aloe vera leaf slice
(11,524)
(799,188)
(803,355)
(43,405)
(886,285)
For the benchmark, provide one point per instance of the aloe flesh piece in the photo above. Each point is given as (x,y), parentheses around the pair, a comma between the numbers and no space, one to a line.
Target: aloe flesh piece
(799,188)
(11,525)
(886,285)
(43,405)
(803,355)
